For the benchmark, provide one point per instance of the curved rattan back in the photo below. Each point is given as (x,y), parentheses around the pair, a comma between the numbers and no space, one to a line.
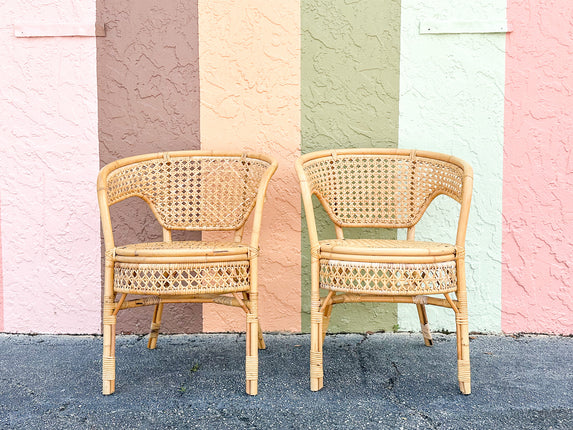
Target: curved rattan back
(388,188)
(190,190)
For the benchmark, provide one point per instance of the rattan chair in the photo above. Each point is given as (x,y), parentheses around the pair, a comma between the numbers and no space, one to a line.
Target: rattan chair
(186,190)
(386,188)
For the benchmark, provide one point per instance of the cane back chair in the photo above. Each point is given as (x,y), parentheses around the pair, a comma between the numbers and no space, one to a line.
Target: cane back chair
(186,190)
(386,188)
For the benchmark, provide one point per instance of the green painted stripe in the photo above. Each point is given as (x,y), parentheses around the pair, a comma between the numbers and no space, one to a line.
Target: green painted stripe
(350,93)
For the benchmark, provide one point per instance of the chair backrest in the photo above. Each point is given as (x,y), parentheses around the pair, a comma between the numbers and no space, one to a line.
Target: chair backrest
(388,188)
(190,190)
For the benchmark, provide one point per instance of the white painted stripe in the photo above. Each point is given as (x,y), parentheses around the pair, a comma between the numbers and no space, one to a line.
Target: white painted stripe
(452,101)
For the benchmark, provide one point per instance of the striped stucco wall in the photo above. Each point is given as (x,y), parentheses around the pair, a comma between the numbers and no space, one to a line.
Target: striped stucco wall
(287,78)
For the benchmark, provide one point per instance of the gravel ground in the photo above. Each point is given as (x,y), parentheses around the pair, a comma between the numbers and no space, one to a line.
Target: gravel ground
(372,381)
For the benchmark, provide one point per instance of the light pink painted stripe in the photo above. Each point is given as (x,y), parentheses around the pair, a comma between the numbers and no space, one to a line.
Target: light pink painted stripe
(1,276)
(538,169)
(49,161)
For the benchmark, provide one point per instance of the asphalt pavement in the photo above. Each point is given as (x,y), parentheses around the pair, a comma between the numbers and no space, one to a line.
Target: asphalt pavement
(380,380)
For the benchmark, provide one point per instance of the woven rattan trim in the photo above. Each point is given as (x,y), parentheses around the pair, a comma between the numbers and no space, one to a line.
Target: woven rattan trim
(192,192)
(177,279)
(388,278)
(160,249)
(380,190)
(386,247)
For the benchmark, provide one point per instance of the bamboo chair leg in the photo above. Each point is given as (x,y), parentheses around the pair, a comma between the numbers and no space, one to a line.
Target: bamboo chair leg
(252,356)
(109,320)
(424,325)
(252,359)
(462,333)
(262,344)
(316,318)
(155,326)
(326,321)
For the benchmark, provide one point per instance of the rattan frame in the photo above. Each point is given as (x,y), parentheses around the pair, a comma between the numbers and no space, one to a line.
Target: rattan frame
(337,179)
(231,267)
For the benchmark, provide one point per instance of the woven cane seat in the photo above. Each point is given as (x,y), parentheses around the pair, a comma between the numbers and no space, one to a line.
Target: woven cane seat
(342,269)
(190,267)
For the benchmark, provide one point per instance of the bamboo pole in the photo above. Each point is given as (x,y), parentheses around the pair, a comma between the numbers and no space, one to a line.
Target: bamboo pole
(109,320)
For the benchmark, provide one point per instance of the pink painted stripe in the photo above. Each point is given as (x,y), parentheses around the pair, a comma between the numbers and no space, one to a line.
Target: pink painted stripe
(1,277)
(538,167)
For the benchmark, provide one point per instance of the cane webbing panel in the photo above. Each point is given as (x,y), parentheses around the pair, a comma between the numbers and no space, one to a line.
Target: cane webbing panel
(380,190)
(386,247)
(178,279)
(200,192)
(388,278)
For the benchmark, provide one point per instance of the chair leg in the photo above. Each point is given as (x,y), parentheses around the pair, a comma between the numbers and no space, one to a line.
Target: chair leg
(109,320)
(424,325)
(252,358)
(155,326)
(326,320)
(262,345)
(316,319)
(462,333)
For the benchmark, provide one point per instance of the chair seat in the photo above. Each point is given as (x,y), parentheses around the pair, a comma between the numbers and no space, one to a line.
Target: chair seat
(182,249)
(382,247)
(183,267)
(387,267)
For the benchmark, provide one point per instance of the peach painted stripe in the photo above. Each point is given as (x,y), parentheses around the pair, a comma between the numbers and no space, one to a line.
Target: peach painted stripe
(249,55)
(538,169)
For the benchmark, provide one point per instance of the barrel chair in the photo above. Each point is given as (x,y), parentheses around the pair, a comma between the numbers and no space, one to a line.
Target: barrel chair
(385,188)
(186,190)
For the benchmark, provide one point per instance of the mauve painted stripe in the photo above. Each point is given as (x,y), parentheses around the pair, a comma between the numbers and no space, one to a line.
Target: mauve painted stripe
(148,91)
(538,169)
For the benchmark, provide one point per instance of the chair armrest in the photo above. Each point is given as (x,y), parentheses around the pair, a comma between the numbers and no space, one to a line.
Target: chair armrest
(104,210)
(259,203)
(467,186)
(308,207)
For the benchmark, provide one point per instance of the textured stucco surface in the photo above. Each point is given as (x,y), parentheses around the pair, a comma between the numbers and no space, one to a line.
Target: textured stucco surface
(538,169)
(148,92)
(250,101)
(451,101)
(350,89)
(48,164)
